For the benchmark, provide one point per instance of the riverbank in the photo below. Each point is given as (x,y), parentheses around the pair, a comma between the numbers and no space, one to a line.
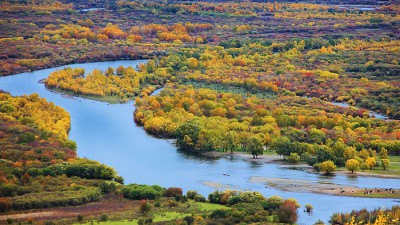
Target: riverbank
(305,186)
(272,157)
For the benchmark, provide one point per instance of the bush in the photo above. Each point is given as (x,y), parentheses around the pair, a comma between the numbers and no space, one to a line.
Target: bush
(309,207)
(10,220)
(293,158)
(219,213)
(272,203)
(199,198)
(214,197)
(5,204)
(81,195)
(89,169)
(103,218)
(144,206)
(173,191)
(26,138)
(191,194)
(80,218)
(287,212)
(139,192)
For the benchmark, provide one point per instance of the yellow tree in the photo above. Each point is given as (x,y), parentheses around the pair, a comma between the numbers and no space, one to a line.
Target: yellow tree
(352,165)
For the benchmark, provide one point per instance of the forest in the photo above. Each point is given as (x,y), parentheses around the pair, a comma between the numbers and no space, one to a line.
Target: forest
(315,82)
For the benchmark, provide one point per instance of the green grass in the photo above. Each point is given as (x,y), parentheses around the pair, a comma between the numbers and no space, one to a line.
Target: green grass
(168,216)
(159,214)
(204,206)
(393,169)
(376,195)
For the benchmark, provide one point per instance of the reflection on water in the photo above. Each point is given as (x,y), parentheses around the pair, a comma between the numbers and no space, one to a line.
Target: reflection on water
(107,133)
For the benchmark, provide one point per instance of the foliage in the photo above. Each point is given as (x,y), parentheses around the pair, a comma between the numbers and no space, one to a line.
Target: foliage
(139,191)
(39,168)
(352,165)
(327,166)
(376,216)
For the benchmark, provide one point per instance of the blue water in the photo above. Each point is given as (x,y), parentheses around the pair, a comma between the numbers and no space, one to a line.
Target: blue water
(107,133)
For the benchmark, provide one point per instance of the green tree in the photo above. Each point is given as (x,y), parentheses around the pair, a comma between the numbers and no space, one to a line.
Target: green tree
(352,165)
(255,146)
(188,134)
(282,145)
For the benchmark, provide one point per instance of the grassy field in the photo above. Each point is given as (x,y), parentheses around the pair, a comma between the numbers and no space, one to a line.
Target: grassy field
(158,214)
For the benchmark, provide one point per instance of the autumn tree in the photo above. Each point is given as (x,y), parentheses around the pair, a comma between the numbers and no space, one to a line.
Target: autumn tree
(327,166)
(370,162)
(352,165)
(385,163)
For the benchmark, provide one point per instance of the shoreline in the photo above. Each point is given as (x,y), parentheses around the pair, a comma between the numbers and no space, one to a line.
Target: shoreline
(301,166)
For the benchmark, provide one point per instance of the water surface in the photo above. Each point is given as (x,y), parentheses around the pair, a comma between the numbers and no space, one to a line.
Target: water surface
(107,133)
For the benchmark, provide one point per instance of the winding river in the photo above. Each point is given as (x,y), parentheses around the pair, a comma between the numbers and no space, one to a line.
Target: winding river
(107,133)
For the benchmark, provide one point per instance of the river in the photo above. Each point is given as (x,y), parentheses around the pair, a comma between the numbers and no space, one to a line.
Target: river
(107,133)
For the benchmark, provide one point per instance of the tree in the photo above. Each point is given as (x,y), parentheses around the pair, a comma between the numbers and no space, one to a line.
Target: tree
(327,166)
(352,165)
(255,146)
(370,161)
(282,145)
(188,134)
(363,166)
(383,153)
(385,163)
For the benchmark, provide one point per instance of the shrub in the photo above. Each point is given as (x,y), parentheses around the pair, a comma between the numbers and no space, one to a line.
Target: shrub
(191,194)
(103,217)
(173,191)
(10,220)
(81,195)
(287,212)
(219,213)
(293,158)
(138,192)
(199,198)
(144,206)
(309,207)
(5,204)
(272,203)
(189,220)
(214,197)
